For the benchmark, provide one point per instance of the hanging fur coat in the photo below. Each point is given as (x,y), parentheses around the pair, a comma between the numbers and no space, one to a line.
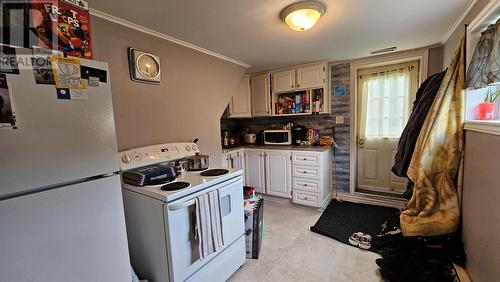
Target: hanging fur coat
(436,164)
(423,102)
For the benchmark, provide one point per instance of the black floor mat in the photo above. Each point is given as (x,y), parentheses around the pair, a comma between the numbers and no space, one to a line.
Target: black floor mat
(341,219)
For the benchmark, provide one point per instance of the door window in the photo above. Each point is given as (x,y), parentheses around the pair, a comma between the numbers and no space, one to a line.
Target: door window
(385,99)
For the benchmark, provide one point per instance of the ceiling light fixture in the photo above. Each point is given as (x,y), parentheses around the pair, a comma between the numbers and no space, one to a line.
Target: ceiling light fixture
(302,16)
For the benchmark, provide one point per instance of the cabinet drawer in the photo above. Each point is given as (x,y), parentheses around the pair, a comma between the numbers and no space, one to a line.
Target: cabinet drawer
(306,158)
(306,199)
(307,184)
(307,171)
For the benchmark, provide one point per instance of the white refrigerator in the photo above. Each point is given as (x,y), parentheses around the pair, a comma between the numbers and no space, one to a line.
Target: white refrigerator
(61,208)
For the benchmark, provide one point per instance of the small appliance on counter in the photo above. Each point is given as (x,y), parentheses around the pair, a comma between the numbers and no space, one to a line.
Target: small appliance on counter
(250,138)
(277,137)
(299,134)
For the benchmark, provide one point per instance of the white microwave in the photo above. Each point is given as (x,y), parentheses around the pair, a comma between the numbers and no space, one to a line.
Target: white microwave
(277,137)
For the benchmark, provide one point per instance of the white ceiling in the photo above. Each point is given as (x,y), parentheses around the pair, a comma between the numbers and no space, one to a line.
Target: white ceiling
(251,31)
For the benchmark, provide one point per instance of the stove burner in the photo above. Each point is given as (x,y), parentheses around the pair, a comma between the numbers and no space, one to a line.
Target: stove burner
(197,169)
(175,186)
(161,181)
(214,172)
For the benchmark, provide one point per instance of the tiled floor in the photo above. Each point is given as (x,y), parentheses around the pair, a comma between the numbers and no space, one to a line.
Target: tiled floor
(290,252)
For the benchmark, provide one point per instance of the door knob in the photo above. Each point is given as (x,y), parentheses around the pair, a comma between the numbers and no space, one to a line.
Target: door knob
(361,143)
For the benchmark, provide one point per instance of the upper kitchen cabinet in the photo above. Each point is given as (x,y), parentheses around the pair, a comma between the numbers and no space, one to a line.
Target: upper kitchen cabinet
(311,77)
(301,90)
(283,81)
(260,88)
(240,104)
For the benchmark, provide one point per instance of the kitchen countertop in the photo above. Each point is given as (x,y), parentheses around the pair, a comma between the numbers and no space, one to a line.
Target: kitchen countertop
(277,147)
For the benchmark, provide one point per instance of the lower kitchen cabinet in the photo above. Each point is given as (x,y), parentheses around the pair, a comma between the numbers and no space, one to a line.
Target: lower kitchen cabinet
(312,178)
(235,159)
(305,177)
(278,178)
(254,170)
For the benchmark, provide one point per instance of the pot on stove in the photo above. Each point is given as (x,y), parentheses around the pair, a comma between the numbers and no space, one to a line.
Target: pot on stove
(197,162)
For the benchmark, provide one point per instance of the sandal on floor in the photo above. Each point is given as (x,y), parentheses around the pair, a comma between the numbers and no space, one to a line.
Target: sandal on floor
(365,242)
(355,238)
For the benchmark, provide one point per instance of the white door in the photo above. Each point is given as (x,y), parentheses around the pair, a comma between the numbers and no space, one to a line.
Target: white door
(311,77)
(261,95)
(283,81)
(254,171)
(278,177)
(385,96)
(240,103)
(72,233)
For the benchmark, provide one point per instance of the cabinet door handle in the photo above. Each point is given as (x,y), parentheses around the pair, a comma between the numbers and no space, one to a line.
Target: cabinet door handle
(305,185)
(305,171)
(298,85)
(305,159)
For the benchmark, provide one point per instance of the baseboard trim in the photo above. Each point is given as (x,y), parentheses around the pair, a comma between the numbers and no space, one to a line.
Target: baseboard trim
(376,200)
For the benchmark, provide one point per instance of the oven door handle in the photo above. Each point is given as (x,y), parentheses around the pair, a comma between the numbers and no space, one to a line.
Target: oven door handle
(174,207)
(186,204)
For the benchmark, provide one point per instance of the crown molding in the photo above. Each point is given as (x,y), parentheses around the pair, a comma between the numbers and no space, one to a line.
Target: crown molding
(111,18)
(464,14)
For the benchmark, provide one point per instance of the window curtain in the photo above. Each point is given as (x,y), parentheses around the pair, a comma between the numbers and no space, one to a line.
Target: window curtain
(484,68)
(384,103)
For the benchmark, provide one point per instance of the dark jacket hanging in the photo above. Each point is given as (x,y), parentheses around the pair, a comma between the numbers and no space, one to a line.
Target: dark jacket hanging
(423,101)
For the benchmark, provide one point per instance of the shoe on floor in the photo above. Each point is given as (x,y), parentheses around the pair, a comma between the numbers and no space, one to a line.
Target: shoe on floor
(365,242)
(355,238)
(388,228)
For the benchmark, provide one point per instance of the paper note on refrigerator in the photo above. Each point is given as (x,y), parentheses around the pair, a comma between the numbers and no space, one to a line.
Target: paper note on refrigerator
(67,73)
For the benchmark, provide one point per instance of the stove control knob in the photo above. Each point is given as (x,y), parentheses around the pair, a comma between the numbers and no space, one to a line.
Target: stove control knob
(137,156)
(188,148)
(126,159)
(194,147)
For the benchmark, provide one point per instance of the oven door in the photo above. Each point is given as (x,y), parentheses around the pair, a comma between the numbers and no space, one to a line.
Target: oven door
(182,246)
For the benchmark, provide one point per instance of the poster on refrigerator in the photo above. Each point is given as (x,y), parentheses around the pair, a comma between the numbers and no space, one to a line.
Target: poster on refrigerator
(7,118)
(63,25)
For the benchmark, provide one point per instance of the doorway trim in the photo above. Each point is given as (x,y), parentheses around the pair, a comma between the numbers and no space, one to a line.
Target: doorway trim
(421,55)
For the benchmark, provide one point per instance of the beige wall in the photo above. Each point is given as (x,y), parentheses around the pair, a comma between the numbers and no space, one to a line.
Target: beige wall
(481,210)
(193,95)
(452,42)
(435,60)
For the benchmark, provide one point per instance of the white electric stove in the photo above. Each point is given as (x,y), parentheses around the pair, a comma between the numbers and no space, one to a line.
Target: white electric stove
(160,222)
